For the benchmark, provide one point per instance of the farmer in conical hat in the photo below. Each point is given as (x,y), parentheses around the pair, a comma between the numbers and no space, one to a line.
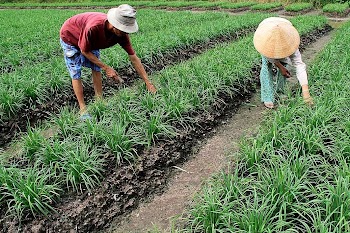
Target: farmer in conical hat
(278,42)
(83,35)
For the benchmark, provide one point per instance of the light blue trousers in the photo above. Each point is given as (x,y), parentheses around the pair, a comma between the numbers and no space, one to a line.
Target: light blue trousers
(270,85)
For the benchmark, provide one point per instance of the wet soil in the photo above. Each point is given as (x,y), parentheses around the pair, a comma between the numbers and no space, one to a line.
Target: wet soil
(35,111)
(295,13)
(125,188)
(338,15)
(269,10)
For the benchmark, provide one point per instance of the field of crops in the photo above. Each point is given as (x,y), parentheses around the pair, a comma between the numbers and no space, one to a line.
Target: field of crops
(57,159)
(294,176)
(37,70)
(331,8)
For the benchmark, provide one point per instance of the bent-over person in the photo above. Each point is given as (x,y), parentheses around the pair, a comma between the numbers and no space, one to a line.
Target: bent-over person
(277,40)
(83,35)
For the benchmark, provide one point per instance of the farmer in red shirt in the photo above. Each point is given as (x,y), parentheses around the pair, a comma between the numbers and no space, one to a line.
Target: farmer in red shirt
(83,35)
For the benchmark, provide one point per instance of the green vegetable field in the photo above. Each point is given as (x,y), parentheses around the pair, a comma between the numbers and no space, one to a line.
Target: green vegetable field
(61,174)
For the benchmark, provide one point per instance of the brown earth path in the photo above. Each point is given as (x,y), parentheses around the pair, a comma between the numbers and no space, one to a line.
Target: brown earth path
(210,157)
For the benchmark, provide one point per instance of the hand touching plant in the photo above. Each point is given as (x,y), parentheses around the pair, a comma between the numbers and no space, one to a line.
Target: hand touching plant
(306,95)
(111,73)
(151,88)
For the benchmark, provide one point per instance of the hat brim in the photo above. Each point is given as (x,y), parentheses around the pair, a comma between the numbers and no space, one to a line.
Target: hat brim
(276,39)
(125,28)
(128,29)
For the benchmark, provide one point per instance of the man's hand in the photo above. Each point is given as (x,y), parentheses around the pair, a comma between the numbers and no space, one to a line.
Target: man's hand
(136,62)
(151,88)
(119,80)
(111,73)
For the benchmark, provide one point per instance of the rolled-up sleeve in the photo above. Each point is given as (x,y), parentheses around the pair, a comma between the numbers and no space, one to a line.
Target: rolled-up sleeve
(300,67)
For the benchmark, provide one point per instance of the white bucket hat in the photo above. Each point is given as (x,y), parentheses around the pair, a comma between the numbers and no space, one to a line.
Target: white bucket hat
(276,38)
(123,18)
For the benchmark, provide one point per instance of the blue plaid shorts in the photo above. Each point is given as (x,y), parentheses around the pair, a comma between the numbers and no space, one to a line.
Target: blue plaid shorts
(75,60)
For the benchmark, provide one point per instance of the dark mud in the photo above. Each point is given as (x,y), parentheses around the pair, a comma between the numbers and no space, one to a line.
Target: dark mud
(269,10)
(238,9)
(34,111)
(295,13)
(125,188)
(337,15)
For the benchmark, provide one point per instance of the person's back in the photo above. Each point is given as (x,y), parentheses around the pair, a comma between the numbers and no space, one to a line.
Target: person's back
(88,32)
(77,24)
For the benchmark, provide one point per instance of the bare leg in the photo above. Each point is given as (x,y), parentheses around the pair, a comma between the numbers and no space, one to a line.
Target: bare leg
(79,93)
(97,81)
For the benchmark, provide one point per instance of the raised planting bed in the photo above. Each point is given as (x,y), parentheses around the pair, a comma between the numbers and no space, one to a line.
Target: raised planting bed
(267,7)
(336,9)
(298,8)
(237,7)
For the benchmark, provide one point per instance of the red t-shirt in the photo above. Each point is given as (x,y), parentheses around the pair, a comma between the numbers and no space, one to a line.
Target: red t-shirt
(88,32)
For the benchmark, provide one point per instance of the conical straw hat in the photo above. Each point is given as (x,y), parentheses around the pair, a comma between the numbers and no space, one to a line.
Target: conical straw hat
(276,38)
(275,20)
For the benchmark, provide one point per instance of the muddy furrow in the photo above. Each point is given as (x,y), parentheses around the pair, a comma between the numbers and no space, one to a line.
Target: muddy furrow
(125,188)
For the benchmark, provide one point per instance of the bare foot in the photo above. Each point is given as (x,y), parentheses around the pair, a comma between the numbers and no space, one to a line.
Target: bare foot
(269,105)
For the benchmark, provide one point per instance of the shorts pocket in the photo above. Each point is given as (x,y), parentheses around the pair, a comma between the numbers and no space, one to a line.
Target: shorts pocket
(70,52)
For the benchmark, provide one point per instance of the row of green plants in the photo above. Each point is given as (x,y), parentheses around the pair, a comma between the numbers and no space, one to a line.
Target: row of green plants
(23,43)
(75,154)
(266,6)
(133,3)
(297,7)
(295,174)
(316,3)
(339,8)
(38,80)
(254,5)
